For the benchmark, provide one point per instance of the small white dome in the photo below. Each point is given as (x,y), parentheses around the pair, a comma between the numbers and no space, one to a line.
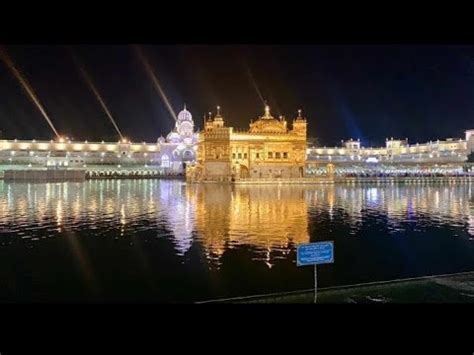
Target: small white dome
(173,137)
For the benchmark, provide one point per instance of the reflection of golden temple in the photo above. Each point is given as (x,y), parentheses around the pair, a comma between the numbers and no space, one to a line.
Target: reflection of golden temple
(212,213)
(268,218)
(330,169)
(265,217)
(267,150)
(271,218)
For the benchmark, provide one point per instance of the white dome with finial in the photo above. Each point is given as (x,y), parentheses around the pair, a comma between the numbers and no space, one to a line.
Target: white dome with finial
(184,115)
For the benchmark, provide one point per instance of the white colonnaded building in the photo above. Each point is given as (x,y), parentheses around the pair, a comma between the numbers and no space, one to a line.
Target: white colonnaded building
(171,155)
(168,156)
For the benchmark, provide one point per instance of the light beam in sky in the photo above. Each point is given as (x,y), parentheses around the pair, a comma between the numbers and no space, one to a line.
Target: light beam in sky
(154,79)
(254,83)
(27,87)
(93,88)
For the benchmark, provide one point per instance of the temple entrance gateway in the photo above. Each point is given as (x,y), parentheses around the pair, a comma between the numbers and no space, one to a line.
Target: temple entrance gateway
(244,172)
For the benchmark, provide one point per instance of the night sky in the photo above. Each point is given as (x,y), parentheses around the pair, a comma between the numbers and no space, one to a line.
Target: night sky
(369,91)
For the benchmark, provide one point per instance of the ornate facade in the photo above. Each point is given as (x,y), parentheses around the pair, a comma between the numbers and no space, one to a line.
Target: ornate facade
(268,149)
(179,147)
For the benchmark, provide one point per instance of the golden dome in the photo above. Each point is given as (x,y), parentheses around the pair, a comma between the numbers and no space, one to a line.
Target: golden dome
(268,124)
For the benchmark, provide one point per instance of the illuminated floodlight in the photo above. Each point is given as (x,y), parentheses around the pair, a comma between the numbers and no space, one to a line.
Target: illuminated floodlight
(87,78)
(26,87)
(151,74)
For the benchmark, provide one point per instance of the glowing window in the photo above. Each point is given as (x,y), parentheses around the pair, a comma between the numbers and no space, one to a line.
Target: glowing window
(165,161)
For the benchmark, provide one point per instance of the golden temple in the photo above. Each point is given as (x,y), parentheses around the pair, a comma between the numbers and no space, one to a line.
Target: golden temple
(268,149)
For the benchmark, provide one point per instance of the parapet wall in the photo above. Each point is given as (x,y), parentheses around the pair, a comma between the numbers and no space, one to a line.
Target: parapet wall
(44,175)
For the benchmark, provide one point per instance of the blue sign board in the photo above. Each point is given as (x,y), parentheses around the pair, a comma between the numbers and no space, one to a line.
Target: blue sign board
(315,253)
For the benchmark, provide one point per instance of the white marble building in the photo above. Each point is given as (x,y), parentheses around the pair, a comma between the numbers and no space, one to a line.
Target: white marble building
(167,156)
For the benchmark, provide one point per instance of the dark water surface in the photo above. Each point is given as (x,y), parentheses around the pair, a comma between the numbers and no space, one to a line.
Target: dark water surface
(165,241)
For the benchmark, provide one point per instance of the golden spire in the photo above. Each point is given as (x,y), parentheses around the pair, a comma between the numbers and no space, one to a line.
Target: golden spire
(267,111)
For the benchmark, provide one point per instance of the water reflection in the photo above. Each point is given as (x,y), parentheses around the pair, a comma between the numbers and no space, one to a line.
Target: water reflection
(400,205)
(200,225)
(179,214)
(268,218)
(265,217)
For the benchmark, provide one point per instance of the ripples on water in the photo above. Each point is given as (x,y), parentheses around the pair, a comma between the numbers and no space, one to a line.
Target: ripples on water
(165,240)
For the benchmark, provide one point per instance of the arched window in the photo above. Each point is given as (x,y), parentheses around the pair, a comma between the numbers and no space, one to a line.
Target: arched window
(165,161)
